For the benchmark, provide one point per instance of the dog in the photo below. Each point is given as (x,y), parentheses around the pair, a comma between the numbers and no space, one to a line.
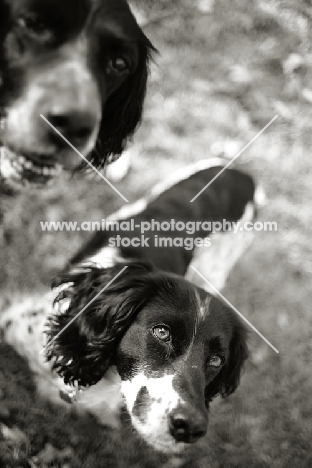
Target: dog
(151,340)
(83,65)
(233,196)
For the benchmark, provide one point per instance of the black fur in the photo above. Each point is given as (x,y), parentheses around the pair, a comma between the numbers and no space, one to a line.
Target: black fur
(225,199)
(90,342)
(123,110)
(83,352)
(227,381)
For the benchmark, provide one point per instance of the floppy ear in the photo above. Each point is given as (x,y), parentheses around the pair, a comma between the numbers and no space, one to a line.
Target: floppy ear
(226,382)
(83,351)
(123,110)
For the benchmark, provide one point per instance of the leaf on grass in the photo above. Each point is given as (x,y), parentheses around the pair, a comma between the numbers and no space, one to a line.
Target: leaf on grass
(240,74)
(307,94)
(14,435)
(259,355)
(205,6)
(283,110)
(292,63)
(50,454)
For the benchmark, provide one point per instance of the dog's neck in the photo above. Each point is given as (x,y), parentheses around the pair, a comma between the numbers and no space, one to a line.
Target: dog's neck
(104,400)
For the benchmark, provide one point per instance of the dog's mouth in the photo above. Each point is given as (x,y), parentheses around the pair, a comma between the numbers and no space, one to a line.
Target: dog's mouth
(25,168)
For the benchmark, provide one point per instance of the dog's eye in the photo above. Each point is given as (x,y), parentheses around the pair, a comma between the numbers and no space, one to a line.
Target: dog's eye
(162,333)
(33,24)
(215,361)
(119,65)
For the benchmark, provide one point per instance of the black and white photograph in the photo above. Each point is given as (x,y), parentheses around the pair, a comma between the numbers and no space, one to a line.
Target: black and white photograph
(155,234)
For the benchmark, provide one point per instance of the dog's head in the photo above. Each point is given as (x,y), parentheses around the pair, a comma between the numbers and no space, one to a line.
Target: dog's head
(83,66)
(174,345)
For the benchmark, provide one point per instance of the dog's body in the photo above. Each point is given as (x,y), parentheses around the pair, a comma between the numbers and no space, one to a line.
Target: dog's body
(83,65)
(165,386)
(231,197)
(151,340)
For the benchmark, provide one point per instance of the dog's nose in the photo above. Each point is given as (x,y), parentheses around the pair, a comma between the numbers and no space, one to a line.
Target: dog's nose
(187,426)
(76,126)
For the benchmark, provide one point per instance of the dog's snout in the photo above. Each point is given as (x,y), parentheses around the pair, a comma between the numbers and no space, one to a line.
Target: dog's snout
(71,102)
(187,426)
(74,124)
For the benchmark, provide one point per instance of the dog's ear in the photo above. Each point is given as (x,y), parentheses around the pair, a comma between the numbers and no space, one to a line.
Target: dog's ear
(96,306)
(226,382)
(123,110)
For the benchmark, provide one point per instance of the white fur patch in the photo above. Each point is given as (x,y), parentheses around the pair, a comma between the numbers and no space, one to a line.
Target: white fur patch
(104,399)
(118,170)
(105,257)
(7,171)
(204,308)
(23,325)
(57,89)
(128,211)
(154,424)
(184,173)
(216,262)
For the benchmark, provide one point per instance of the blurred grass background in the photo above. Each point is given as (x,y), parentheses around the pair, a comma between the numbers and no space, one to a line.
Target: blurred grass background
(225,68)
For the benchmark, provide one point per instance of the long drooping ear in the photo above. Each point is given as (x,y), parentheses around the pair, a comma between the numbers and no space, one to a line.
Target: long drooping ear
(228,379)
(82,352)
(123,110)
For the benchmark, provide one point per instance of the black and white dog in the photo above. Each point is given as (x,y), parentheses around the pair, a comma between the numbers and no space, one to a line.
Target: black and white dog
(231,197)
(151,340)
(83,65)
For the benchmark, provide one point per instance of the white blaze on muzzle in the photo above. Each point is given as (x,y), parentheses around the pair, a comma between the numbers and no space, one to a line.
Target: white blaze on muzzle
(153,419)
(62,88)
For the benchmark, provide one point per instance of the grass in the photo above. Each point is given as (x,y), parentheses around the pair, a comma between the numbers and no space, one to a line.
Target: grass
(192,103)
